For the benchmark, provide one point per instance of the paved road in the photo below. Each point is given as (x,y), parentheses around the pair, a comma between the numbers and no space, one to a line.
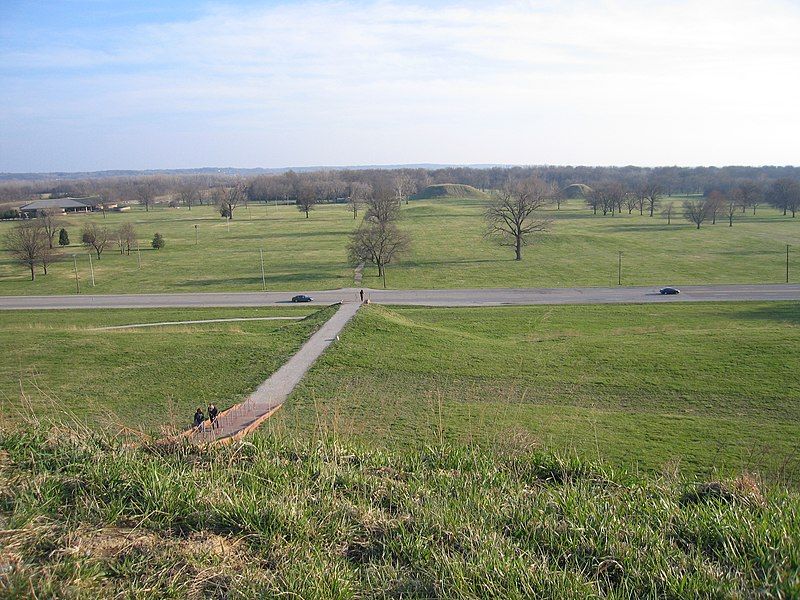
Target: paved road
(466,297)
(274,391)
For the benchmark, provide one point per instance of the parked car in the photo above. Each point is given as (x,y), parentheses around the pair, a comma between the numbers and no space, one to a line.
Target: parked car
(669,290)
(302,298)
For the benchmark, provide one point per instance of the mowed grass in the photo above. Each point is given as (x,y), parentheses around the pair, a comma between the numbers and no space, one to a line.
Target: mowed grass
(449,250)
(85,516)
(57,363)
(694,387)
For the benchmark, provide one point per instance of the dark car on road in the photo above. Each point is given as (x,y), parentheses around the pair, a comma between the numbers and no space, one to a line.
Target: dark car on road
(669,291)
(302,298)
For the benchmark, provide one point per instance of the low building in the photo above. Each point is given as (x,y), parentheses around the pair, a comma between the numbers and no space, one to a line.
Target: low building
(61,205)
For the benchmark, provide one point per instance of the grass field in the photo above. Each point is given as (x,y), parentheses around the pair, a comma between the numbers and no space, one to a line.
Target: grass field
(143,378)
(449,250)
(86,517)
(693,387)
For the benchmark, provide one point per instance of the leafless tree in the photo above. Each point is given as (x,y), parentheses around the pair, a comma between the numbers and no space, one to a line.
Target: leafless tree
(748,194)
(228,198)
(731,203)
(95,237)
(784,194)
(666,212)
(403,186)
(695,211)
(377,244)
(28,244)
(383,207)
(714,204)
(51,223)
(652,195)
(359,193)
(631,201)
(306,197)
(189,193)
(145,192)
(607,196)
(511,215)
(126,238)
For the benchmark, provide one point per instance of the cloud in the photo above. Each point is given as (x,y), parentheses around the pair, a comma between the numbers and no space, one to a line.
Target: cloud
(505,82)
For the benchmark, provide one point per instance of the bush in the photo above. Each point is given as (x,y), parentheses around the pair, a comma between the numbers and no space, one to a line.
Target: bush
(63,237)
(11,213)
(158,241)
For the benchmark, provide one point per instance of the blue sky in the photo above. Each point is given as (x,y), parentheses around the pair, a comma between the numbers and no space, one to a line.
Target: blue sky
(92,85)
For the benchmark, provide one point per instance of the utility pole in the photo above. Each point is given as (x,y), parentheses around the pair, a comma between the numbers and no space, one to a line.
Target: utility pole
(91,268)
(384,276)
(138,256)
(195,235)
(263,280)
(787,263)
(619,268)
(77,281)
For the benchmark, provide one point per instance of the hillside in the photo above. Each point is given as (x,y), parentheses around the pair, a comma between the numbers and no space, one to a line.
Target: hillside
(448,190)
(89,517)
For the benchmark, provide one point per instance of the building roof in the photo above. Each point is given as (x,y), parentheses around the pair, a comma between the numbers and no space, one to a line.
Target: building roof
(56,203)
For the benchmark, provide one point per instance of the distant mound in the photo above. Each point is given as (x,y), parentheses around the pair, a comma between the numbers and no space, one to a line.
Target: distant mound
(449,190)
(576,190)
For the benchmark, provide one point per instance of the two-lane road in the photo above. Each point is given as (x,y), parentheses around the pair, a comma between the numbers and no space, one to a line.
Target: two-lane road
(451,297)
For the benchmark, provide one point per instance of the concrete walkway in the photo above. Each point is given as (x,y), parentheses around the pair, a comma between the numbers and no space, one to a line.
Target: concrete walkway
(270,395)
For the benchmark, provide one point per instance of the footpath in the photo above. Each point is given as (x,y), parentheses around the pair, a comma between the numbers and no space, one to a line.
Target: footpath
(241,419)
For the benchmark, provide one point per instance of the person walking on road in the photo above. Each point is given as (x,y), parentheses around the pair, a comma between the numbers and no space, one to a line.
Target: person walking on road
(212,415)
(199,420)
(362,296)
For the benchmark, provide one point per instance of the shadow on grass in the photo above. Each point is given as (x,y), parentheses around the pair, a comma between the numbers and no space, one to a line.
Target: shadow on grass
(782,313)
(256,280)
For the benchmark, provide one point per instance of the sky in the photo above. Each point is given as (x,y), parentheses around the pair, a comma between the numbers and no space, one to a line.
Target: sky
(91,85)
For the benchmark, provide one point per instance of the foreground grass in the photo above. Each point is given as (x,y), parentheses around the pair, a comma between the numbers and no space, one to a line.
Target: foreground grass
(83,516)
(449,250)
(57,362)
(696,386)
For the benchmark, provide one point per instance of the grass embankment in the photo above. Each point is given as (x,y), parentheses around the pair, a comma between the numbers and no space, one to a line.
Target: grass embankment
(85,517)
(449,250)
(692,386)
(57,361)
(449,190)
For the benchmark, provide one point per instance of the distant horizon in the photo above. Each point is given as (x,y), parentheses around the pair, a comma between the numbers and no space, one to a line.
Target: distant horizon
(89,85)
(429,166)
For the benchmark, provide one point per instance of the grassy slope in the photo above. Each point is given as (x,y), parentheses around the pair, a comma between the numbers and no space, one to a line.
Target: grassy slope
(703,385)
(143,377)
(87,518)
(449,250)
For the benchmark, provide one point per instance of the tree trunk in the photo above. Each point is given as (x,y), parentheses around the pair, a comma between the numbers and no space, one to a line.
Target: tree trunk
(651,209)
(518,248)
(730,220)
(98,253)
(698,225)
(146,207)
(44,267)
(306,214)
(33,272)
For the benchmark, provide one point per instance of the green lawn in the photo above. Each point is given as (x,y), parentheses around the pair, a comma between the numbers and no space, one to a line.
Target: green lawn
(695,386)
(144,378)
(449,250)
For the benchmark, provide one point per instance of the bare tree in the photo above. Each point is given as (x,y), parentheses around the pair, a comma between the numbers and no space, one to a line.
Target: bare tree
(631,201)
(731,203)
(95,237)
(784,194)
(377,244)
(189,193)
(306,197)
(511,215)
(714,204)
(403,186)
(359,193)
(125,238)
(749,194)
(652,192)
(50,224)
(667,212)
(145,192)
(227,199)
(27,243)
(695,211)
(382,207)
